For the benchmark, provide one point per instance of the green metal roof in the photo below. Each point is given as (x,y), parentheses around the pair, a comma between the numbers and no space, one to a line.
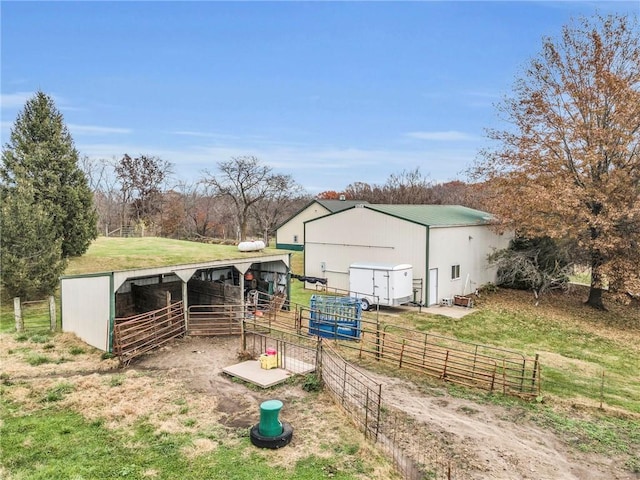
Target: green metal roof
(332,205)
(435,215)
(338,205)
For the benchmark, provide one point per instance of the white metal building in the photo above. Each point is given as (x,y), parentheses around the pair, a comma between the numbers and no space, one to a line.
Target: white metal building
(92,302)
(290,234)
(447,245)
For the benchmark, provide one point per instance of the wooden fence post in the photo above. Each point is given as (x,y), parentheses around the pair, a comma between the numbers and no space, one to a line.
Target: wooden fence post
(444,369)
(536,364)
(52,313)
(379,411)
(17,313)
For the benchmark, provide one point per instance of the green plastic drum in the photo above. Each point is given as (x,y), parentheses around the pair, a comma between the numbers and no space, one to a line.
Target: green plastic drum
(269,425)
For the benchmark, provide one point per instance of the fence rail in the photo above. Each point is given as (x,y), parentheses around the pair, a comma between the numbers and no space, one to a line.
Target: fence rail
(501,370)
(448,359)
(139,334)
(212,320)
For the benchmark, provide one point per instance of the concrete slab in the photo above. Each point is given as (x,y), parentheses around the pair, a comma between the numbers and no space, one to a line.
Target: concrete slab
(251,371)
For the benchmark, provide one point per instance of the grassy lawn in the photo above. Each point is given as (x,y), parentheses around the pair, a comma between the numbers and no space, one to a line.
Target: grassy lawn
(112,253)
(54,443)
(585,354)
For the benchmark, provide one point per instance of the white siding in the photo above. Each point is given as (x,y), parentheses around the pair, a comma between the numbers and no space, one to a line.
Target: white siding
(467,247)
(86,309)
(295,227)
(361,235)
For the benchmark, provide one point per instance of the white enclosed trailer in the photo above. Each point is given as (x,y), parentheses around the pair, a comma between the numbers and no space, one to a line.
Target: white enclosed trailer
(381,284)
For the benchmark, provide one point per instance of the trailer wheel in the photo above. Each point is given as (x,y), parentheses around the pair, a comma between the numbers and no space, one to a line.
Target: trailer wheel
(365,304)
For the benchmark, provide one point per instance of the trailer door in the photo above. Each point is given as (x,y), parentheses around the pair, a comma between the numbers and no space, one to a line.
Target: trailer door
(381,286)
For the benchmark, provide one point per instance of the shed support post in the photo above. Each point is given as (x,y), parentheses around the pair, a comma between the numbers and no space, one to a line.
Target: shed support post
(185,305)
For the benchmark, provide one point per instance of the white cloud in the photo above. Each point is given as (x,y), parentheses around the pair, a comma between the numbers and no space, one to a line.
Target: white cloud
(188,133)
(96,130)
(443,136)
(17,100)
(316,168)
(14,100)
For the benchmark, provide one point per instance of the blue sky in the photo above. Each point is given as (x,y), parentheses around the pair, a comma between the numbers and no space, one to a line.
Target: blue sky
(329,92)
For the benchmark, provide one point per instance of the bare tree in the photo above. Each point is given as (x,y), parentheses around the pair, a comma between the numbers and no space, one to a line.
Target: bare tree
(246,182)
(364,191)
(201,213)
(539,265)
(273,210)
(409,187)
(141,182)
(106,193)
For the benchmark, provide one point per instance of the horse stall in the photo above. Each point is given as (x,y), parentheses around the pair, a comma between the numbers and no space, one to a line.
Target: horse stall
(134,311)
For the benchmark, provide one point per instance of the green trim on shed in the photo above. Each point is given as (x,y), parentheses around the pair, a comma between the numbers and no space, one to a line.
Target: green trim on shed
(427,283)
(298,247)
(112,313)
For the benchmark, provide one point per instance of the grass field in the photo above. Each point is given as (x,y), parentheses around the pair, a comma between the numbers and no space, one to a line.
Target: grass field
(589,359)
(112,253)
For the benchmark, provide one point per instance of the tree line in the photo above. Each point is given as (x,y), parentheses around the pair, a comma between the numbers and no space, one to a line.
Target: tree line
(565,170)
(243,199)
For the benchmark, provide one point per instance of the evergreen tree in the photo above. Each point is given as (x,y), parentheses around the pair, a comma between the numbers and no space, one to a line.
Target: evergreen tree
(41,153)
(31,253)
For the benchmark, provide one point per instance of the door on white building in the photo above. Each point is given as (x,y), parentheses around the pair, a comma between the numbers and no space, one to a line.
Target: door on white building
(433,286)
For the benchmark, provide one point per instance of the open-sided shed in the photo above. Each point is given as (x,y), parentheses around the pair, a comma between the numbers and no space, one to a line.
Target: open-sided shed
(91,303)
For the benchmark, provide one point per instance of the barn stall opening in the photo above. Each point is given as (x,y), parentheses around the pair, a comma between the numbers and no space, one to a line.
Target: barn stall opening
(161,303)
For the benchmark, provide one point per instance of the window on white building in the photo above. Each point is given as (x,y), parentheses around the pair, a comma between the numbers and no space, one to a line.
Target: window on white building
(455,272)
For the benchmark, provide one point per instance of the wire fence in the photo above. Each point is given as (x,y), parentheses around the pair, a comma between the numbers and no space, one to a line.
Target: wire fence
(445,358)
(406,443)
(35,314)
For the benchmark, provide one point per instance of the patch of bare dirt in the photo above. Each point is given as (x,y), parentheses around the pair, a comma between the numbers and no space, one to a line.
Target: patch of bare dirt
(492,442)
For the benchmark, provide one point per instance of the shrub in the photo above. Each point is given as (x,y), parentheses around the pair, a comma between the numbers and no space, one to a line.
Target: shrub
(312,383)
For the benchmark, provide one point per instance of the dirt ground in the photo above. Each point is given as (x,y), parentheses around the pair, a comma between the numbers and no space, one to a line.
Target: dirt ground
(484,441)
(492,442)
